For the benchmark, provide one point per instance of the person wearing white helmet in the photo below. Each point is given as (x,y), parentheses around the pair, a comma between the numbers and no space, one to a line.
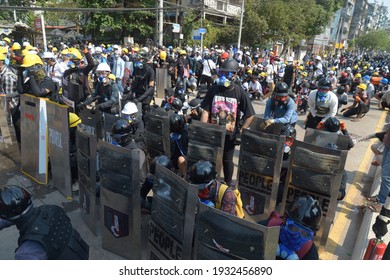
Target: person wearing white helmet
(131,113)
(53,69)
(318,68)
(332,78)
(98,57)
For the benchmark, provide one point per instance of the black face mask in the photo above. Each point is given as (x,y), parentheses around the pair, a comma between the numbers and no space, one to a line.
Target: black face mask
(280,102)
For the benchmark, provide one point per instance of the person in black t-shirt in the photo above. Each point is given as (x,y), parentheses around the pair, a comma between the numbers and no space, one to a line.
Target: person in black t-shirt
(226,104)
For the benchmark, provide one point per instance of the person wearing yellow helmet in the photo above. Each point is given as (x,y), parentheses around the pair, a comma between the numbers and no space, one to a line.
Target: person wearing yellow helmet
(78,74)
(16,57)
(361,104)
(182,69)
(8,84)
(34,80)
(74,121)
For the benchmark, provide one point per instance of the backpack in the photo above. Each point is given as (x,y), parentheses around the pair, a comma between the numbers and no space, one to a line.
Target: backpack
(221,192)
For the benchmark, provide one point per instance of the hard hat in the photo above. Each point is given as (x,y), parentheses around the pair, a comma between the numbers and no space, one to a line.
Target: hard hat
(31,60)
(163,55)
(25,44)
(366,78)
(225,55)
(74,54)
(362,86)
(130,108)
(304,74)
(384,81)
(98,49)
(375,74)
(356,67)
(48,55)
(348,69)
(247,53)
(125,50)
(331,72)
(16,46)
(358,75)
(65,51)
(54,49)
(301,67)
(3,50)
(28,47)
(263,74)
(136,49)
(249,71)
(15,202)
(183,52)
(318,58)
(290,59)
(74,120)
(2,56)
(112,77)
(8,40)
(103,67)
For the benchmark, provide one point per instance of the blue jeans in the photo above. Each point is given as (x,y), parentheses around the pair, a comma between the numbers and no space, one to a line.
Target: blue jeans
(385,185)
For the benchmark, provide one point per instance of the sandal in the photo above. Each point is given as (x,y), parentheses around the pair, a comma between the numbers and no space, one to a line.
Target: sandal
(372,199)
(376,207)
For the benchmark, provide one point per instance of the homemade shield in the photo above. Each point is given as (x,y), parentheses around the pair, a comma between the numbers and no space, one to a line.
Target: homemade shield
(321,138)
(72,94)
(33,155)
(92,123)
(59,146)
(221,236)
(120,200)
(260,163)
(171,228)
(86,164)
(108,122)
(205,142)
(157,133)
(316,171)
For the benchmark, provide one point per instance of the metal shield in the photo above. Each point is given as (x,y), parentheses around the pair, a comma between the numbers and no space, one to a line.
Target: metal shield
(161,81)
(316,171)
(72,94)
(221,236)
(34,155)
(108,121)
(274,128)
(321,138)
(171,228)
(59,146)
(205,142)
(91,123)
(157,133)
(86,164)
(120,200)
(260,163)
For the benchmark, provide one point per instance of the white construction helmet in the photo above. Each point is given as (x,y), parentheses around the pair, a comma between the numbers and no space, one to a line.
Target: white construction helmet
(130,108)
(103,67)
(318,58)
(48,55)
(98,49)
(290,59)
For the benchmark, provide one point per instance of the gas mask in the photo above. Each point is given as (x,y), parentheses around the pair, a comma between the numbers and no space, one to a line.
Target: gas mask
(139,65)
(224,79)
(102,79)
(322,94)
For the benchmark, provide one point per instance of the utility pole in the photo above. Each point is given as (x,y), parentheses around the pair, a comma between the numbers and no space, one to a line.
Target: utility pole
(201,25)
(161,23)
(241,20)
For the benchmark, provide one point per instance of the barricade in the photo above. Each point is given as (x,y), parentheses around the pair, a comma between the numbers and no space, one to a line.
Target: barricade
(157,133)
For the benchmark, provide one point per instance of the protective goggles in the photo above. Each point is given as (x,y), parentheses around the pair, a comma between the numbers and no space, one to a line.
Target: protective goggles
(294,228)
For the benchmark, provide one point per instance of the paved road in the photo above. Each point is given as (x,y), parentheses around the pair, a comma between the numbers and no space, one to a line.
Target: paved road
(342,236)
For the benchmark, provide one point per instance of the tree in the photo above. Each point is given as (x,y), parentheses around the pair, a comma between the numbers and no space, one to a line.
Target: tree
(375,40)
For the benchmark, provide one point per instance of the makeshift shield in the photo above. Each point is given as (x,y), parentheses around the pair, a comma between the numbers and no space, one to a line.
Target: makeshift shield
(120,200)
(33,155)
(91,123)
(322,138)
(109,121)
(171,228)
(260,163)
(157,133)
(221,236)
(72,94)
(316,171)
(59,146)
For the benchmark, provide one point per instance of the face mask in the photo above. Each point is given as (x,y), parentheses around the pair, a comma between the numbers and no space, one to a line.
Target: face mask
(131,118)
(139,65)
(184,57)
(222,81)
(71,64)
(116,55)
(322,95)
(102,79)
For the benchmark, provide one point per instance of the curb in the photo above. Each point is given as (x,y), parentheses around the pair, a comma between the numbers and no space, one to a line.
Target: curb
(365,232)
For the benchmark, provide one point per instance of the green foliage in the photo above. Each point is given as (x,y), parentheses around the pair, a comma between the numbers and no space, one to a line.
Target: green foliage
(375,40)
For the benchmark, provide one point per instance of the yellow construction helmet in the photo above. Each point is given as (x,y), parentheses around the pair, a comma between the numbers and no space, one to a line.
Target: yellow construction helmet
(182,52)
(362,86)
(301,67)
(54,49)
(16,46)
(31,60)
(74,54)
(112,77)
(8,40)
(126,51)
(136,49)
(163,55)
(263,74)
(358,75)
(249,72)
(28,47)
(2,56)
(3,50)
(74,120)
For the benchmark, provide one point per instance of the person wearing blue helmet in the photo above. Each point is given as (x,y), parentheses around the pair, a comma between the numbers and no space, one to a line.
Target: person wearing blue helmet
(385,99)
(382,88)
(370,87)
